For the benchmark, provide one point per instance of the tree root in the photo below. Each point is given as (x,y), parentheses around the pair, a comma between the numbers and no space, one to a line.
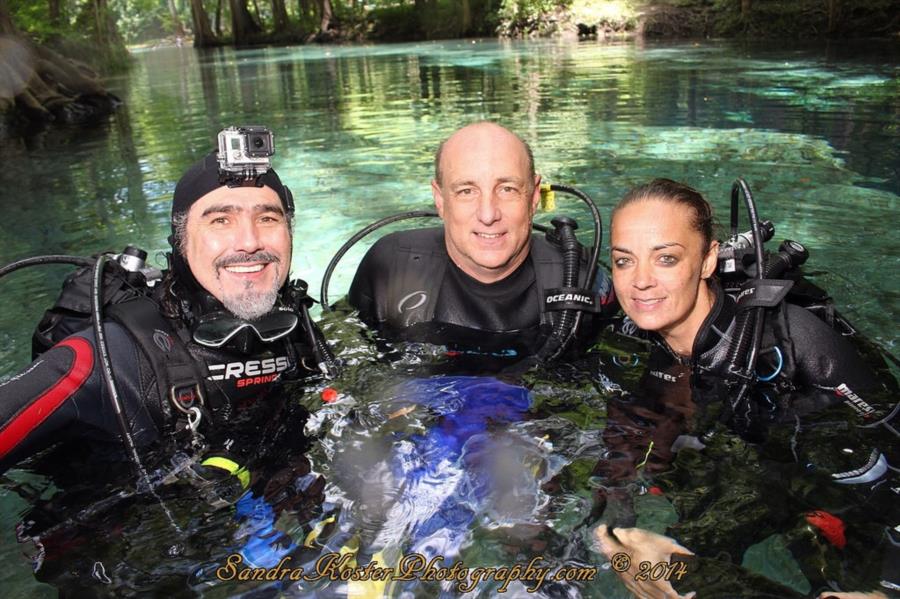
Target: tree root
(37,84)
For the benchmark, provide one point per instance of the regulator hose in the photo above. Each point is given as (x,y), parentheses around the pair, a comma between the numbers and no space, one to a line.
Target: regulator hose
(598,228)
(106,366)
(749,323)
(50,259)
(568,320)
(329,270)
(323,353)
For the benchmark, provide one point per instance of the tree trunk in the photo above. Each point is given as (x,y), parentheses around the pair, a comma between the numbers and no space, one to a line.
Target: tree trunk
(327,13)
(745,11)
(55,13)
(176,20)
(101,24)
(258,19)
(6,24)
(243,27)
(279,12)
(219,18)
(466,17)
(203,35)
(834,10)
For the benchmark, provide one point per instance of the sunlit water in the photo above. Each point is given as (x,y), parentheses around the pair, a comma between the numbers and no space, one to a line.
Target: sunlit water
(815,131)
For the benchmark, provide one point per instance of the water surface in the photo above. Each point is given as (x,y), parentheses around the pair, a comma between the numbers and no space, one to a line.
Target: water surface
(815,130)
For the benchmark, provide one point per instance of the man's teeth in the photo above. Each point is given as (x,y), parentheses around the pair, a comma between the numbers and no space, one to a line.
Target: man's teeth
(649,301)
(238,268)
(488,235)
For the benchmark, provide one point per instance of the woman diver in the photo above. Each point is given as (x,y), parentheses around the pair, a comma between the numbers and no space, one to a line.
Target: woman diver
(664,260)
(664,263)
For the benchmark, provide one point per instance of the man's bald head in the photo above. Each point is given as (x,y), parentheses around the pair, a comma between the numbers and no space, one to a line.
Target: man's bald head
(464,134)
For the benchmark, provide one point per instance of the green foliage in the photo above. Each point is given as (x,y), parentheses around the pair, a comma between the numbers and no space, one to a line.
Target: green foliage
(142,20)
(395,22)
(523,17)
(770,18)
(605,15)
(433,19)
(137,21)
(33,17)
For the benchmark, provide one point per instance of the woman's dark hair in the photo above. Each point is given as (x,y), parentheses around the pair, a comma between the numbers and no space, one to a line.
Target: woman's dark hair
(679,193)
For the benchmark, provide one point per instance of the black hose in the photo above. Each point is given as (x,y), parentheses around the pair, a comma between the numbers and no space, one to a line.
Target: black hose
(320,348)
(107,373)
(50,259)
(744,342)
(598,229)
(329,270)
(106,366)
(568,320)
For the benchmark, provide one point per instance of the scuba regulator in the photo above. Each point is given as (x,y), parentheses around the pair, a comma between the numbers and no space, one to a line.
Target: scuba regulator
(755,279)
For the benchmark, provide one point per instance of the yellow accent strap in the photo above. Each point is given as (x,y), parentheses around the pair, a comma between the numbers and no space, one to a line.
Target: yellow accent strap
(548,198)
(646,457)
(351,547)
(229,466)
(316,531)
(371,589)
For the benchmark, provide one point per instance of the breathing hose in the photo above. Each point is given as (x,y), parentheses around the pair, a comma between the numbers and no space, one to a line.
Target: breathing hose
(568,320)
(749,323)
(50,259)
(329,270)
(106,366)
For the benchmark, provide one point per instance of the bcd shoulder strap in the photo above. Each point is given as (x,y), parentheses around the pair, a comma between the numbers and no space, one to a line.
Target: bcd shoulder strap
(179,376)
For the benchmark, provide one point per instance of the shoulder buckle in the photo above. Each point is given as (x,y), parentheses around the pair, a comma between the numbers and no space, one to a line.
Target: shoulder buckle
(186,397)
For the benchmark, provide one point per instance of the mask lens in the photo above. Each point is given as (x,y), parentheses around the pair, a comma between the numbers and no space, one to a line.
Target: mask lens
(214,330)
(275,325)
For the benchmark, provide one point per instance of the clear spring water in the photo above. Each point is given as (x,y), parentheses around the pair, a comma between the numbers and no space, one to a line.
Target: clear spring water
(815,131)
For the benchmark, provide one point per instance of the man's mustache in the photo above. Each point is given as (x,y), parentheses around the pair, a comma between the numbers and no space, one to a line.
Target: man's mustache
(244,257)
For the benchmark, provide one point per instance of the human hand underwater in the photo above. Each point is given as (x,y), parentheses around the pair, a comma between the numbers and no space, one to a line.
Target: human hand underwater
(641,546)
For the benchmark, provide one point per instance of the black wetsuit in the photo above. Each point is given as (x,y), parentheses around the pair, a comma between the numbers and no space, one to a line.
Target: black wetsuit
(408,287)
(62,396)
(798,351)
(823,435)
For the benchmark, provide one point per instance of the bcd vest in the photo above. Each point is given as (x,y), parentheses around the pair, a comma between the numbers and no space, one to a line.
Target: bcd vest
(416,276)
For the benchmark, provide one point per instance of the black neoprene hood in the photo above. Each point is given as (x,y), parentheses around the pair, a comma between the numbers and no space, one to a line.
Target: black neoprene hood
(200,179)
(203,177)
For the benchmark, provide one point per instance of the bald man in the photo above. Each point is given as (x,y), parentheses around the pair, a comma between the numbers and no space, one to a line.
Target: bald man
(482,279)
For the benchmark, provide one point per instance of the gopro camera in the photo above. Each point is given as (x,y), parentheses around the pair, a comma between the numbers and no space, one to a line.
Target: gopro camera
(245,151)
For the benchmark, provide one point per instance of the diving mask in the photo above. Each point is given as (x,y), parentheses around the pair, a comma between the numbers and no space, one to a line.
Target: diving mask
(218,328)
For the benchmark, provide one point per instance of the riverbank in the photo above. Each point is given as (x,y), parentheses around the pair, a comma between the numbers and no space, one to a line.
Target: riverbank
(753,19)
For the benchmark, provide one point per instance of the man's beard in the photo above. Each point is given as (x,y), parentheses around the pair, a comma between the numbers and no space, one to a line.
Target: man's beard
(250,304)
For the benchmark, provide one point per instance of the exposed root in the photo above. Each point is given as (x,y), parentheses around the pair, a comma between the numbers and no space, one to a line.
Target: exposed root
(37,84)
